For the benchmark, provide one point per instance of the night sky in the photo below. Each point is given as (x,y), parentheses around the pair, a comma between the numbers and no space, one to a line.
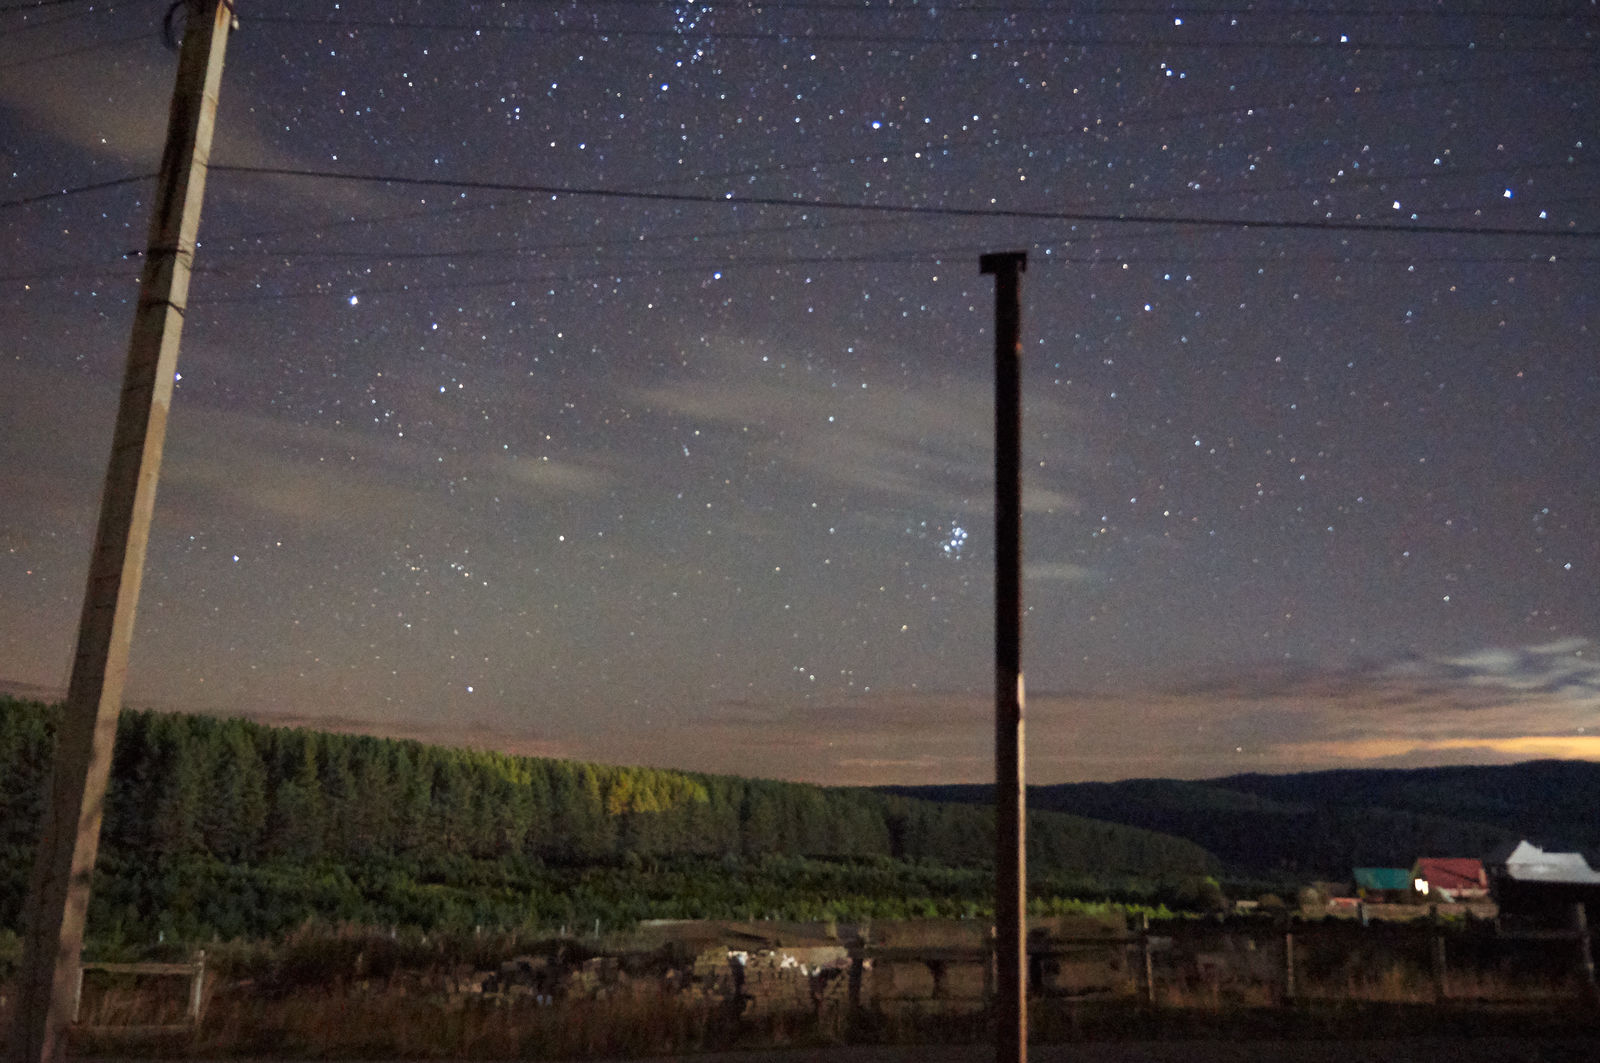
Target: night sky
(691,465)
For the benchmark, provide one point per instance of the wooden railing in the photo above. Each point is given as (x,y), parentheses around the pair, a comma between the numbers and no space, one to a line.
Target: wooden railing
(1140,945)
(195,971)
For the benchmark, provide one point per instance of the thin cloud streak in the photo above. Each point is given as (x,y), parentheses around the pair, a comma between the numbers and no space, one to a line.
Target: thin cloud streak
(1386,716)
(926,442)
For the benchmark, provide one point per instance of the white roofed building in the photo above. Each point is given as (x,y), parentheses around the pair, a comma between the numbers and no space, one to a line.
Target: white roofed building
(1529,882)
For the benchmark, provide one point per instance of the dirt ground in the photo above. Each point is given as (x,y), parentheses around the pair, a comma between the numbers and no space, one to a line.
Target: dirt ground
(1401,1050)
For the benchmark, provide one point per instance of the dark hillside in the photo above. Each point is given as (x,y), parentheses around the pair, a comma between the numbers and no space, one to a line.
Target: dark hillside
(1276,828)
(1556,802)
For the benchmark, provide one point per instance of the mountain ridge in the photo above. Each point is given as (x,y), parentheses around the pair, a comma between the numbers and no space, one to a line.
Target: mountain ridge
(1326,822)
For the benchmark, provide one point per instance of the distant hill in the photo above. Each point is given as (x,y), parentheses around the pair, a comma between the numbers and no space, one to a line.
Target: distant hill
(1556,802)
(1323,823)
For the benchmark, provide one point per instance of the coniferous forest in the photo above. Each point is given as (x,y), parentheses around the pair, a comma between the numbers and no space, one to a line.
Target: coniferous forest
(225,827)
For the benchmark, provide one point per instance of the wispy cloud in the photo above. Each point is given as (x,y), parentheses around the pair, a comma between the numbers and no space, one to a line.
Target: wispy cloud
(1413,712)
(125,124)
(1314,721)
(923,440)
(544,476)
(1058,572)
(344,478)
(226,466)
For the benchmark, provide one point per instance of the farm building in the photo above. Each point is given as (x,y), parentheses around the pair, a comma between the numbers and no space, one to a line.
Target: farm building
(1450,878)
(1530,883)
(1389,884)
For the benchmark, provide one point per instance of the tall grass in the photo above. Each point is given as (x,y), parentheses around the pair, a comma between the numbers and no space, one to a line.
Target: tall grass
(392,1025)
(356,993)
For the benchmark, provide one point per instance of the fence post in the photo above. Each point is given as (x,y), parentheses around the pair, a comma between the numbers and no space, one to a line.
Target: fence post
(989,959)
(1586,984)
(857,964)
(1288,961)
(1149,962)
(1441,985)
(197,986)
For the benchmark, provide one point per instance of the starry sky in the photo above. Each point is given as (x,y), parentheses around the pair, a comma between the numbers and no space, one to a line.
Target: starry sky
(612,378)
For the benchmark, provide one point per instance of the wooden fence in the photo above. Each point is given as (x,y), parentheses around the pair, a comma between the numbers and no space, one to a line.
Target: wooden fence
(195,971)
(1280,964)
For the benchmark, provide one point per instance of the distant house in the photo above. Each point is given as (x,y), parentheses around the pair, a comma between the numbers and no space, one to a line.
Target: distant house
(1530,883)
(1450,878)
(1383,883)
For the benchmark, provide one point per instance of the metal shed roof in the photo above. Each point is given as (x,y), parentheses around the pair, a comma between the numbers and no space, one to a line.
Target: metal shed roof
(1383,878)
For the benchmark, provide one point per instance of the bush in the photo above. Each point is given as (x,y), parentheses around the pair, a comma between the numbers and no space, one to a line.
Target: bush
(1312,900)
(10,955)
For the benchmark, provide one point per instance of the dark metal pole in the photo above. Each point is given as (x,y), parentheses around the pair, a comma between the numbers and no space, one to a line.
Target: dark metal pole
(58,891)
(1010,797)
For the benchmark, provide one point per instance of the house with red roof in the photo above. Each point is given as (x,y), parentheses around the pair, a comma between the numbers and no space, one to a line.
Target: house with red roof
(1450,878)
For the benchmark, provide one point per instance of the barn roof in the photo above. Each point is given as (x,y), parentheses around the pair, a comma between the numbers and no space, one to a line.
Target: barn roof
(1529,863)
(1451,872)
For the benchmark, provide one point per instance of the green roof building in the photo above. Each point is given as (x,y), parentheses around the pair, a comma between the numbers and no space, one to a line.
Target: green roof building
(1392,880)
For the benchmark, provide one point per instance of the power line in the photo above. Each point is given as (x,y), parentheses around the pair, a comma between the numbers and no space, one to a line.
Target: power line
(1055,11)
(452,209)
(597,273)
(449,211)
(59,20)
(1357,96)
(61,193)
(35,5)
(1404,185)
(813,230)
(742,232)
(335,290)
(629,265)
(1021,38)
(556,191)
(68,16)
(1101,12)
(114,42)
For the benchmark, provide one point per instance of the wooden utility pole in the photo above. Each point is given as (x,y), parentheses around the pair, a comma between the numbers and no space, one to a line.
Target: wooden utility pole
(1010,797)
(58,891)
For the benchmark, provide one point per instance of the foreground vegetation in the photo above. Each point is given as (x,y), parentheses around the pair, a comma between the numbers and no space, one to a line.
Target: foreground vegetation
(200,899)
(340,993)
(230,829)
(345,1025)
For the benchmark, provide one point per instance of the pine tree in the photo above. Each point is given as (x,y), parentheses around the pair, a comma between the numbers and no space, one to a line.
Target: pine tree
(235,813)
(297,823)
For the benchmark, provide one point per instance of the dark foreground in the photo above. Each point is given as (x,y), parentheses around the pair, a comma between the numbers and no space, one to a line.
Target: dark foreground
(1397,1050)
(1401,1050)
